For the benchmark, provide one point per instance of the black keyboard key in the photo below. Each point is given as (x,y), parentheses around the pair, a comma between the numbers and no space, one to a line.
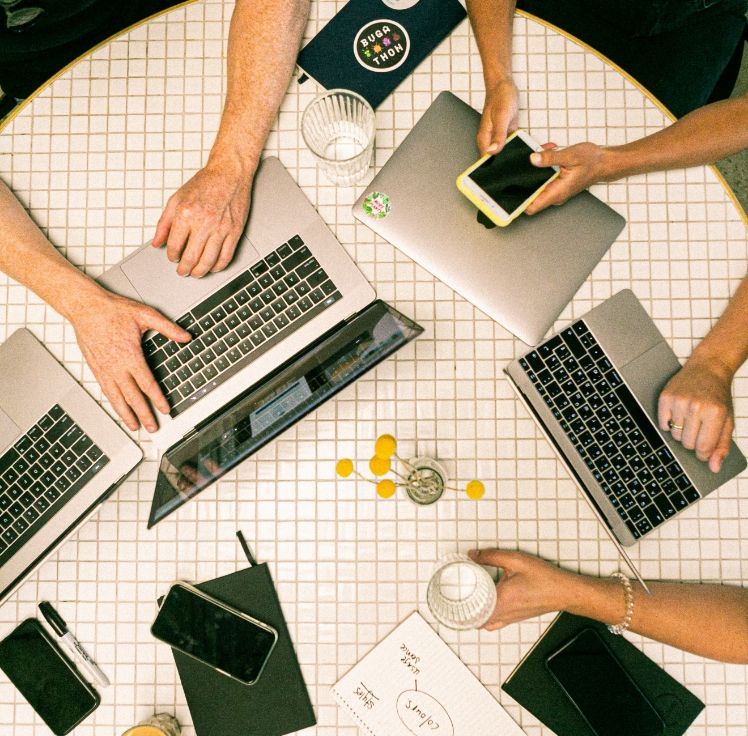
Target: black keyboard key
(198,380)
(284,251)
(653,515)
(317,278)
(663,503)
(220,347)
(94,453)
(245,346)
(642,420)
(266,280)
(691,494)
(232,339)
(226,291)
(222,364)
(296,242)
(272,259)
(634,531)
(297,259)
(678,500)
(71,437)
(328,288)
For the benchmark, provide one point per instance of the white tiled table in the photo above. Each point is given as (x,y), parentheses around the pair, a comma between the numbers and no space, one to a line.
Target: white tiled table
(95,156)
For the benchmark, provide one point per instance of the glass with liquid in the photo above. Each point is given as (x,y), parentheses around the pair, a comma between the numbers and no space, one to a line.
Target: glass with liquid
(461,593)
(338,128)
(159,724)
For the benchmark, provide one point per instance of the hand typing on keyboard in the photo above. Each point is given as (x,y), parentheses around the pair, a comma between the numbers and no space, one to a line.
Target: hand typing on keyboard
(696,404)
(109,329)
(696,407)
(203,220)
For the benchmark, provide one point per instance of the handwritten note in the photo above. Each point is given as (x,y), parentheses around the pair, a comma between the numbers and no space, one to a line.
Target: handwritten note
(412,684)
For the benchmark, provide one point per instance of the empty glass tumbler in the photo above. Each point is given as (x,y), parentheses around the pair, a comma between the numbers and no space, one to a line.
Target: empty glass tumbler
(461,593)
(338,128)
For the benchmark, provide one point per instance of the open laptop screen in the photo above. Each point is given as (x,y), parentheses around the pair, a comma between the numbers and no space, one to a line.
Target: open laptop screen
(271,406)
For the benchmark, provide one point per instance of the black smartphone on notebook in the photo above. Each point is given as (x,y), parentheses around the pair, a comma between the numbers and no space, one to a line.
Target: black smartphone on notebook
(46,677)
(203,627)
(600,688)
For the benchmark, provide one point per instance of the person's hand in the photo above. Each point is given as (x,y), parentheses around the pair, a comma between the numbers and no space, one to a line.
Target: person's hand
(204,219)
(580,166)
(109,329)
(500,115)
(696,408)
(528,586)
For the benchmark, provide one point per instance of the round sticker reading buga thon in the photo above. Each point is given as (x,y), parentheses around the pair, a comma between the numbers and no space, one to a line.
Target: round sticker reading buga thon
(377,205)
(381,46)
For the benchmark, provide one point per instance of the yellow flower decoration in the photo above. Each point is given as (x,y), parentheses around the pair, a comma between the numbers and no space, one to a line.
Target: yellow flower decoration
(344,468)
(475,490)
(379,465)
(385,488)
(385,446)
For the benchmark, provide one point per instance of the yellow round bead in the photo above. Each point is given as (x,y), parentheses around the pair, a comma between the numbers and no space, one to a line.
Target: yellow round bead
(475,489)
(379,465)
(344,467)
(385,446)
(386,488)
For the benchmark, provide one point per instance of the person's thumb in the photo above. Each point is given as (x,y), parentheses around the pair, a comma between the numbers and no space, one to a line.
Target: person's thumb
(496,558)
(548,157)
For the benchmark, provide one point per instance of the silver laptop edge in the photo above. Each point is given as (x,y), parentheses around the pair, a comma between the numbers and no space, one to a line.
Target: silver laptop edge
(279,210)
(33,382)
(501,270)
(645,361)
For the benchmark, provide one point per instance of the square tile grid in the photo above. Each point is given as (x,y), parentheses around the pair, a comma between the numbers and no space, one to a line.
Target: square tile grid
(96,155)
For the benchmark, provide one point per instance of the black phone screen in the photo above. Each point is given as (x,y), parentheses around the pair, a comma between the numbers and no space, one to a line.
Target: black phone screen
(46,678)
(209,632)
(509,178)
(600,688)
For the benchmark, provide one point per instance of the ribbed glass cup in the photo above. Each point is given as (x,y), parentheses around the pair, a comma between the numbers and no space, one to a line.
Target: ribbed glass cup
(338,128)
(461,593)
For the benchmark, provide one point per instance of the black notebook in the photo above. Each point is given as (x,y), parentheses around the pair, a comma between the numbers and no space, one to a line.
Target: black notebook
(535,689)
(370,46)
(278,703)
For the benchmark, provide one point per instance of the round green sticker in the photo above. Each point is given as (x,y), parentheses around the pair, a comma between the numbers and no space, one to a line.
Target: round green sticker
(377,205)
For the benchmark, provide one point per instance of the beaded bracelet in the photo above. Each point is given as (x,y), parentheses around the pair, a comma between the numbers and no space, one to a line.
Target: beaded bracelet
(629,595)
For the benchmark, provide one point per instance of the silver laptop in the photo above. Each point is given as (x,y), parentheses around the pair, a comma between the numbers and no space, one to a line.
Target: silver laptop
(501,270)
(288,324)
(593,389)
(61,456)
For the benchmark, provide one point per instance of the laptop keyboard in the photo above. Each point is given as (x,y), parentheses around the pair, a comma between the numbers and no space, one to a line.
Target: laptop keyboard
(613,435)
(40,473)
(239,322)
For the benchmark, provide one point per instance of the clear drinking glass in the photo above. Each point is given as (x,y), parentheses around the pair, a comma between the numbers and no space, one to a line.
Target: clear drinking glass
(461,593)
(338,128)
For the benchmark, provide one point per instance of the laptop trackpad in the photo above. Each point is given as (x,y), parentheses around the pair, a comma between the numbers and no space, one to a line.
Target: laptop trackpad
(155,278)
(9,430)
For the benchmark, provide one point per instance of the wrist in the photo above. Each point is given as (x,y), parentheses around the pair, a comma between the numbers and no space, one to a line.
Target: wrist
(612,163)
(80,299)
(234,155)
(713,361)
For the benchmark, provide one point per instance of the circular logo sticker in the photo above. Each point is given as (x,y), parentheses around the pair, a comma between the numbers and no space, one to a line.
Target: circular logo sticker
(381,46)
(377,205)
(400,4)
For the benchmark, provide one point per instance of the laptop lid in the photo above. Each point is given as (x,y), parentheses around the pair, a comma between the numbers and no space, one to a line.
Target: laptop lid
(500,270)
(272,405)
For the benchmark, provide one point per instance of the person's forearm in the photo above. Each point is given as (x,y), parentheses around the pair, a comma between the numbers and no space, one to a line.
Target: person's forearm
(702,137)
(263,44)
(726,344)
(706,619)
(492,25)
(30,259)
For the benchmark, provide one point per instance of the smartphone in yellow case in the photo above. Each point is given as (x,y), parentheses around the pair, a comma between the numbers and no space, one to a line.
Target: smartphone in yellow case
(503,185)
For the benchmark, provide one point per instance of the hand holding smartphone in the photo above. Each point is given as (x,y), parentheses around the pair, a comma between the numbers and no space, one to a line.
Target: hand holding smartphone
(502,186)
(196,624)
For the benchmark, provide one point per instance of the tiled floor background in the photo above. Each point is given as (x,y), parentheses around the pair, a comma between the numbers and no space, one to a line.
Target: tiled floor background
(96,155)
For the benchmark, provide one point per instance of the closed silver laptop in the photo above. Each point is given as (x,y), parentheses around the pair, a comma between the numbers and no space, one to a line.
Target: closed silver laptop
(61,456)
(522,275)
(593,388)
